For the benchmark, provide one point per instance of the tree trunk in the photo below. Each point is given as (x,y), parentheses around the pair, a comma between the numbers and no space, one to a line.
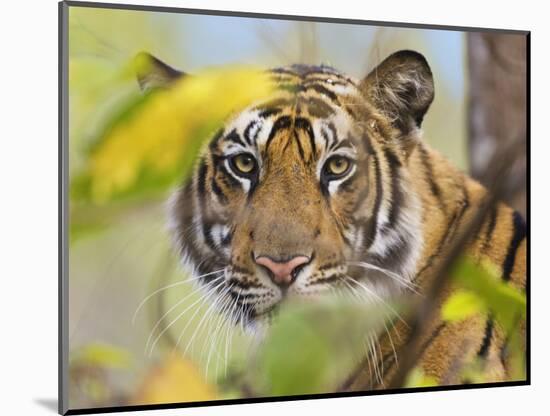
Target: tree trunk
(498,106)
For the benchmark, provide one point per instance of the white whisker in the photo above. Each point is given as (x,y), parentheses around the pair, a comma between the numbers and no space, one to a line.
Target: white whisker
(217,325)
(377,297)
(181,282)
(208,312)
(232,308)
(202,300)
(219,330)
(398,278)
(182,300)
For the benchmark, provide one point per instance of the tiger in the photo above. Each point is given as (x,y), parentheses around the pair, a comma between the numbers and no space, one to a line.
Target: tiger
(329,183)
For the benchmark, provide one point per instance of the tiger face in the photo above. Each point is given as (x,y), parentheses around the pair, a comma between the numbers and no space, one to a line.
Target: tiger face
(307,193)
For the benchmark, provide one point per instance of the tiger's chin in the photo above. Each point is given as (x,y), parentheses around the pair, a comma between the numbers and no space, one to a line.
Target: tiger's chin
(260,321)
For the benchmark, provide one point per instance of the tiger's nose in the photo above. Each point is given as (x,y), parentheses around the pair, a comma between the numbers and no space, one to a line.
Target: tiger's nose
(283,272)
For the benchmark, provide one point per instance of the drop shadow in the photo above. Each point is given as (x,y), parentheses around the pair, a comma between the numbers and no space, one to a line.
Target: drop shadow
(49,404)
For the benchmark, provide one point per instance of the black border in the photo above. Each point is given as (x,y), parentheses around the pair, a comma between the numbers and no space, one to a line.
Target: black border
(63,204)
(209,403)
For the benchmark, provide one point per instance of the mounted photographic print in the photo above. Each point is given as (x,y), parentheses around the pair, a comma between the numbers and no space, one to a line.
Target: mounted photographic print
(265,207)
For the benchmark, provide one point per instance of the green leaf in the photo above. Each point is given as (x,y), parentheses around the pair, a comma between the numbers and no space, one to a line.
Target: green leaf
(312,348)
(507,303)
(462,305)
(288,367)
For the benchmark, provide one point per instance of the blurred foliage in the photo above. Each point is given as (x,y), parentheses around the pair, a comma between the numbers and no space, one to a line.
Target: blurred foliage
(90,368)
(101,355)
(485,291)
(127,146)
(417,378)
(313,347)
(461,305)
(153,141)
(174,380)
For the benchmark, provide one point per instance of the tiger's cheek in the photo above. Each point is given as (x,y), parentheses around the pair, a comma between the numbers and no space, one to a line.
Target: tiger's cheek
(329,245)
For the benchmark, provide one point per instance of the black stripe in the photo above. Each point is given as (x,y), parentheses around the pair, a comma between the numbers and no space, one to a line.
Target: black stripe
(343,143)
(234,137)
(201,188)
(432,338)
(269,112)
(304,124)
(279,124)
(465,204)
(430,178)
(299,144)
(284,71)
(218,191)
(320,89)
(372,226)
(216,139)
(520,232)
(247,130)
(243,284)
(325,137)
(490,228)
(327,266)
(486,343)
(319,108)
(396,194)
(324,280)
(201,178)
(452,227)
(229,180)
(334,134)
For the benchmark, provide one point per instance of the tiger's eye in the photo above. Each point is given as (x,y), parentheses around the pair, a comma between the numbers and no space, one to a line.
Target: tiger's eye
(338,166)
(244,163)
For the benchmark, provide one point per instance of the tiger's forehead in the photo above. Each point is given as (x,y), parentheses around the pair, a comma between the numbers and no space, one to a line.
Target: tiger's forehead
(316,99)
(311,72)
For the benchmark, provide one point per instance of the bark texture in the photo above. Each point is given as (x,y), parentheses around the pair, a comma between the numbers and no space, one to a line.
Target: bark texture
(498,106)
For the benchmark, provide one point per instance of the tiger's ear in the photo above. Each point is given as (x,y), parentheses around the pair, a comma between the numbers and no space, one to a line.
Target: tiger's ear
(152,73)
(401,88)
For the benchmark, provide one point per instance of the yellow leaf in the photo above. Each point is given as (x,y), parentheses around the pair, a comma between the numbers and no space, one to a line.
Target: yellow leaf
(176,380)
(158,137)
(462,305)
(417,378)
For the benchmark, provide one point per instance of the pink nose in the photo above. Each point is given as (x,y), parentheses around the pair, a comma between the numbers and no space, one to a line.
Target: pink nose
(282,271)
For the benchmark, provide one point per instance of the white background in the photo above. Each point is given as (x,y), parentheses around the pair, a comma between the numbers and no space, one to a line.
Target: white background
(28,205)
